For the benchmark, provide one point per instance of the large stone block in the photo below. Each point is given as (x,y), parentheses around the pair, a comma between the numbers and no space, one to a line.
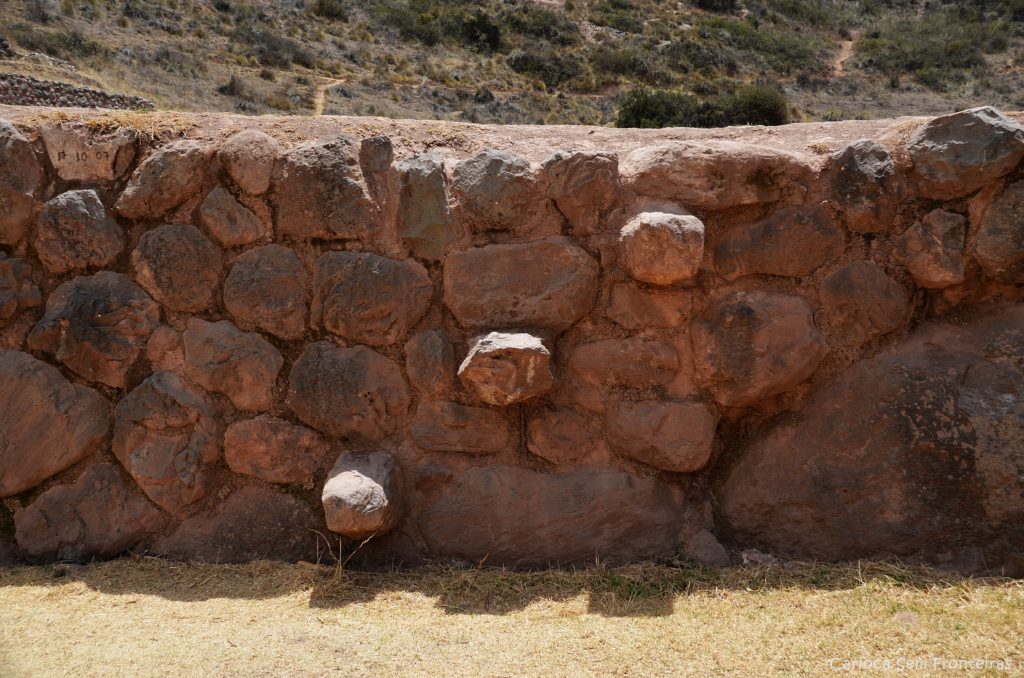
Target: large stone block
(368,298)
(178,266)
(862,302)
(254,523)
(21,177)
(430,362)
(512,516)
(17,289)
(545,284)
(717,175)
(869,185)
(167,438)
(230,222)
(164,180)
(267,287)
(97,325)
(80,152)
(755,344)
(632,362)
(99,516)
(319,191)
(999,243)
(955,155)
(348,392)
(917,452)
(46,422)
(273,450)
(223,359)
(441,426)
(74,232)
(933,249)
(792,242)
(248,157)
(661,248)
(666,435)
(425,223)
(584,186)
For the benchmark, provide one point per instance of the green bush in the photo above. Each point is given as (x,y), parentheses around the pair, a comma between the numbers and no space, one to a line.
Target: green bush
(618,14)
(271,49)
(536,21)
(749,105)
(716,5)
(550,66)
(331,9)
(65,45)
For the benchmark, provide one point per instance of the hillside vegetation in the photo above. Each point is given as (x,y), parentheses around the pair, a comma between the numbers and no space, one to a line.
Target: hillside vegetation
(634,62)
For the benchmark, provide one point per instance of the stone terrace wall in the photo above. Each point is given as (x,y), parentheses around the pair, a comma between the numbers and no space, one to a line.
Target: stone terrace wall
(280,342)
(25,90)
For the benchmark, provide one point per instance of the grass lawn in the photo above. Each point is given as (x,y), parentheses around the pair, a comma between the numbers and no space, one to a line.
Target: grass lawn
(149,617)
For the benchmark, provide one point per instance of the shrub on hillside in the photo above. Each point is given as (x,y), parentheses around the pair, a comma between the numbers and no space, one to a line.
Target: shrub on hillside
(331,9)
(550,66)
(749,105)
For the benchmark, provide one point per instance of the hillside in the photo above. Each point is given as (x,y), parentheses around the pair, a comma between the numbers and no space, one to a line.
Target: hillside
(516,61)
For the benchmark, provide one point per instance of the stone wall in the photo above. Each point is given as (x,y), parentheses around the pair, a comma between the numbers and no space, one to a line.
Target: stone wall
(524,346)
(25,90)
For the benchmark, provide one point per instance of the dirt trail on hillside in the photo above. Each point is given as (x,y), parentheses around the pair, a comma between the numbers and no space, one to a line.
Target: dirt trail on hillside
(321,95)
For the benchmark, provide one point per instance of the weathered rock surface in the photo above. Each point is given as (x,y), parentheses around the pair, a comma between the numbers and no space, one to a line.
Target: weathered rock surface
(503,368)
(254,523)
(498,191)
(999,243)
(955,155)
(717,174)
(348,392)
(46,422)
(632,362)
(178,266)
(635,308)
(917,451)
(545,284)
(933,249)
(862,302)
(561,436)
(98,516)
(273,449)
(267,287)
(229,221)
(363,495)
(430,362)
(81,153)
(513,516)
(97,325)
(869,186)
(319,191)
(661,248)
(248,157)
(425,222)
(442,426)
(17,289)
(167,438)
(74,232)
(376,154)
(755,344)
(164,180)
(667,435)
(223,359)
(584,185)
(368,298)
(21,177)
(792,242)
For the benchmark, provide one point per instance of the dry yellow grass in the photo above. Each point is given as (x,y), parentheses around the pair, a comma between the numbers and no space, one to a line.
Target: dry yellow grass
(154,618)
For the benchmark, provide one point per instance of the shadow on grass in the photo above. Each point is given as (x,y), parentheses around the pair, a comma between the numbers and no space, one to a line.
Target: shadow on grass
(644,590)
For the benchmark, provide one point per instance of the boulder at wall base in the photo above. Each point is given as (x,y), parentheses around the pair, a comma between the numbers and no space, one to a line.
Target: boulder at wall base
(671,436)
(254,523)
(363,495)
(918,452)
(46,422)
(506,515)
(99,516)
(955,155)
(544,284)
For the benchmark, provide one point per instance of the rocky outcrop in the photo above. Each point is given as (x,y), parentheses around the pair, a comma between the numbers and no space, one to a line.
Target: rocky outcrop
(918,451)
(522,348)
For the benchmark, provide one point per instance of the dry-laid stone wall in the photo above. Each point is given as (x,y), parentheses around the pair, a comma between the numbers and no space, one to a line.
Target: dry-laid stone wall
(254,344)
(24,90)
